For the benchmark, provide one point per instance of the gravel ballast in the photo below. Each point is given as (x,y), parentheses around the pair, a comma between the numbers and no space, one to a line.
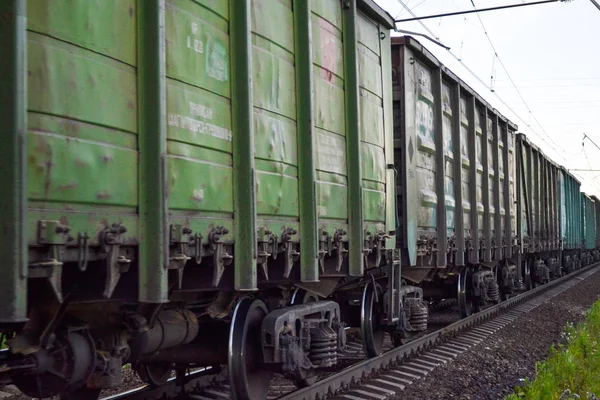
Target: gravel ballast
(492,369)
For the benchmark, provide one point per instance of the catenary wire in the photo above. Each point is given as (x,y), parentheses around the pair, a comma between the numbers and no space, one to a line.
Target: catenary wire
(403,4)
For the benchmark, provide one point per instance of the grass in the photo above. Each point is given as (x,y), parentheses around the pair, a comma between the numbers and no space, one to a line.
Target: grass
(572,370)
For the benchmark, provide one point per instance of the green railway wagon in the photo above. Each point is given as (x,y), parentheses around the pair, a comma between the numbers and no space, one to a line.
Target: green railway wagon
(597,211)
(165,156)
(589,252)
(570,219)
(539,211)
(596,250)
(456,185)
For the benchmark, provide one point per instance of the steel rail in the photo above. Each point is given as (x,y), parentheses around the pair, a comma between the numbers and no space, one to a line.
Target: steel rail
(168,390)
(342,380)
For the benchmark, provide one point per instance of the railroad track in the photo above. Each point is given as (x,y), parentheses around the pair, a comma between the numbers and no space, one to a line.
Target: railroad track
(382,377)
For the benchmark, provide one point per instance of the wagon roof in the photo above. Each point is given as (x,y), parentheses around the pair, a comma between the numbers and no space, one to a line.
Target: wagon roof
(370,8)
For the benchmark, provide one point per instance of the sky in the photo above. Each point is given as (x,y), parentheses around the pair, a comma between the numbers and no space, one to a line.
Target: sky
(552,55)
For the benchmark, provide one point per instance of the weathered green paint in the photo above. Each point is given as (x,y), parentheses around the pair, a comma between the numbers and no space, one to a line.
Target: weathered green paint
(153,201)
(374,205)
(309,267)
(275,110)
(332,200)
(82,218)
(371,118)
(13,162)
(64,169)
(372,134)
(329,53)
(210,193)
(465,164)
(280,14)
(244,199)
(329,10)
(198,48)
(72,129)
(198,117)
(426,148)
(276,194)
(372,163)
(106,27)
(76,83)
(275,139)
(388,143)
(448,118)
(355,194)
(274,83)
(329,105)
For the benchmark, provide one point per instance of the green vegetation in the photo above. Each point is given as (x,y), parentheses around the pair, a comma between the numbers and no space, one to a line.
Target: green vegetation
(572,369)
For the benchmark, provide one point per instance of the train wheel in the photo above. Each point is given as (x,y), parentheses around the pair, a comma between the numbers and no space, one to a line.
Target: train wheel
(155,374)
(247,377)
(371,313)
(83,393)
(465,299)
(302,296)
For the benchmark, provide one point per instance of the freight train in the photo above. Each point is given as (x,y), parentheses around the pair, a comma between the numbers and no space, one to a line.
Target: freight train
(192,183)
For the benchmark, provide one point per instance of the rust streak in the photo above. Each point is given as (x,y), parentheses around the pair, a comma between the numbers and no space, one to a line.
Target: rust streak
(103,194)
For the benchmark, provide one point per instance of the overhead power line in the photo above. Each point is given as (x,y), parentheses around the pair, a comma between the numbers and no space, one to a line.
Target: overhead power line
(489,39)
(450,14)
(401,2)
(590,139)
